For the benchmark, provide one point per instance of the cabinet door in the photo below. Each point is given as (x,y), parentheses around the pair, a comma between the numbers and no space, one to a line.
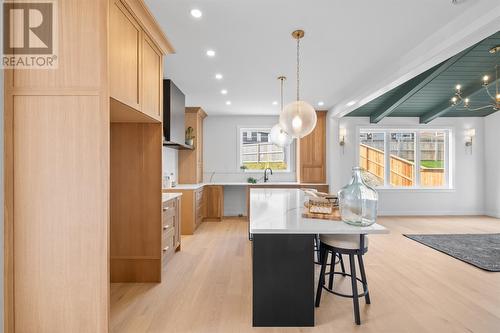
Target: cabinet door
(313,153)
(199,151)
(214,202)
(151,78)
(124,56)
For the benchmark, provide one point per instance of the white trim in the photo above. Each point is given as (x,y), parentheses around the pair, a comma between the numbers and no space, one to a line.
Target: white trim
(495,214)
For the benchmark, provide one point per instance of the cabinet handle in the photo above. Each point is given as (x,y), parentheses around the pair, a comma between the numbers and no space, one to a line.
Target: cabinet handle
(166,227)
(166,208)
(166,249)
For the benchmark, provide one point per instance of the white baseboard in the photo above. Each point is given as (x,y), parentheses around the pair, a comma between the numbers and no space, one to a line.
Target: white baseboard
(430,213)
(493,213)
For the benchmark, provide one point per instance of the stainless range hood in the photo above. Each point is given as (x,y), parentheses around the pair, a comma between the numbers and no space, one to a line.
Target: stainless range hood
(174,105)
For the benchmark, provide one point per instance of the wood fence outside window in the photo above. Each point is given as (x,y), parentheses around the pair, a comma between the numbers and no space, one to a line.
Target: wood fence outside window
(402,170)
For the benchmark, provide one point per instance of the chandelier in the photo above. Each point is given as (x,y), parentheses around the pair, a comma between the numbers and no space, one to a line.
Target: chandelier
(494,103)
(298,118)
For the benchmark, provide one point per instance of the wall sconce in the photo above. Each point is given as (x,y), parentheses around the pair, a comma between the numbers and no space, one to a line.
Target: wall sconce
(469,137)
(342,135)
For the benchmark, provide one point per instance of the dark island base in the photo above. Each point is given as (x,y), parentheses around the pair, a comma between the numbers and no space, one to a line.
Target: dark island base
(283,280)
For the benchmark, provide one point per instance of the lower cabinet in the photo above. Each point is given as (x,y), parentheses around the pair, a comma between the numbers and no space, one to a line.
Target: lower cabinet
(193,208)
(171,240)
(214,202)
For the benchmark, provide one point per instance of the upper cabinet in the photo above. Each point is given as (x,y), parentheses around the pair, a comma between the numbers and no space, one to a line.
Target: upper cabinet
(312,153)
(191,160)
(124,55)
(136,49)
(152,78)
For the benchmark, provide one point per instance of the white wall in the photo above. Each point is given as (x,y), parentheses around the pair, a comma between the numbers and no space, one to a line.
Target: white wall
(220,149)
(221,160)
(492,164)
(467,197)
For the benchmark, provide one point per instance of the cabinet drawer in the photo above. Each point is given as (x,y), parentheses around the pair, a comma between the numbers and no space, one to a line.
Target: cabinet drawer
(168,242)
(170,208)
(169,223)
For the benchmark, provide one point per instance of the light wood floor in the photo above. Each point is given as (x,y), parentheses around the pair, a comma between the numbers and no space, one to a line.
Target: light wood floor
(207,286)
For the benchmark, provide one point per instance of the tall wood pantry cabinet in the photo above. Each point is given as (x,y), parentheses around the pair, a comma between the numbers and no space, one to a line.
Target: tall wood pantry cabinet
(311,152)
(64,131)
(191,161)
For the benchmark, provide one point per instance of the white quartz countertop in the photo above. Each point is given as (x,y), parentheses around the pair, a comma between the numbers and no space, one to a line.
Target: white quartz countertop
(279,211)
(197,186)
(169,196)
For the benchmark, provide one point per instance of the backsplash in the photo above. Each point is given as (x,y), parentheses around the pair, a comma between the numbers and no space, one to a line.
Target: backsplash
(170,157)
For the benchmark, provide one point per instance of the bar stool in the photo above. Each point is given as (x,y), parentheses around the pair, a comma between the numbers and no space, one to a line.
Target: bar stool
(351,245)
(317,259)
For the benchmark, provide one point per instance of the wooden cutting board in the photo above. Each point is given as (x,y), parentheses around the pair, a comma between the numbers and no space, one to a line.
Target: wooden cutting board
(335,216)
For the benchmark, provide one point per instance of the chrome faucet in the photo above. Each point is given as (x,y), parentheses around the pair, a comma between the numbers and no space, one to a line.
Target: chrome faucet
(266,178)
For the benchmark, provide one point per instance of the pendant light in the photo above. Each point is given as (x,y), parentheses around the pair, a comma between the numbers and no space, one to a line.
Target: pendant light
(298,118)
(278,136)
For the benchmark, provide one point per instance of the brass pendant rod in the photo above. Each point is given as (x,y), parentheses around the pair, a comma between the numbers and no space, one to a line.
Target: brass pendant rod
(298,69)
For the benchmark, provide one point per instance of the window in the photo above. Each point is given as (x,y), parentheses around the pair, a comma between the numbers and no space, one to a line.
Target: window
(415,158)
(371,156)
(258,153)
(432,158)
(402,161)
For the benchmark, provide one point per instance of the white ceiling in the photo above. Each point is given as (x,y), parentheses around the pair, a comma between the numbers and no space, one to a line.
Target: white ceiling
(352,48)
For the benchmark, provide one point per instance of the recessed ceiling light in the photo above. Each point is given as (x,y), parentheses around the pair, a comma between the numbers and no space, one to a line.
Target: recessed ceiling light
(218,76)
(275,103)
(351,103)
(228,102)
(196,13)
(211,53)
(321,103)
(223,92)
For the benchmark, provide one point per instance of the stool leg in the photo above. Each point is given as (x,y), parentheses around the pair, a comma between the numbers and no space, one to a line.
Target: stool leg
(321,282)
(355,299)
(363,278)
(317,252)
(332,270)
(342,267)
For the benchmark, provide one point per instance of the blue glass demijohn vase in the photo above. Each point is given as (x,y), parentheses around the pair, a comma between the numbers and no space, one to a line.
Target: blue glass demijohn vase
(358,201)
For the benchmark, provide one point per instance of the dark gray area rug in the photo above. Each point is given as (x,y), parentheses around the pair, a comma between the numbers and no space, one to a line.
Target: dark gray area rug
(480,250)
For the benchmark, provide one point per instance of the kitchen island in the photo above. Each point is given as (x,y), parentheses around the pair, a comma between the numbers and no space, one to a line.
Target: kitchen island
(283,256)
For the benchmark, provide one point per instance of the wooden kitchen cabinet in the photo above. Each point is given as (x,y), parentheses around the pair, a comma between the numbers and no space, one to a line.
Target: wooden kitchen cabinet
(191,161)
(124,55)
(171,219)
(136,61)
(152,79)
(312,153)
(214,202)
(192,209)
(82,192)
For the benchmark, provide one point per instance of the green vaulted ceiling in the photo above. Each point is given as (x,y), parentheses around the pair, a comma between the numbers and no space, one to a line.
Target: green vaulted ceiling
(428,95)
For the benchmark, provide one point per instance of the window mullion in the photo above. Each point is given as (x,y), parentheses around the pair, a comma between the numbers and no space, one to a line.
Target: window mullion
(387,159)
(417,160)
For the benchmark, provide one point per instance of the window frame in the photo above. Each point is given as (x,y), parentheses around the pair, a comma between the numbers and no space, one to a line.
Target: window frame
(449,161)
(239,134)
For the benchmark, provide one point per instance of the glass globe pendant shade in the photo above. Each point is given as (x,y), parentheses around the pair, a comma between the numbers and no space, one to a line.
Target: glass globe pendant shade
(298,119)
(279,137)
